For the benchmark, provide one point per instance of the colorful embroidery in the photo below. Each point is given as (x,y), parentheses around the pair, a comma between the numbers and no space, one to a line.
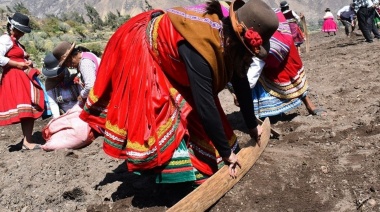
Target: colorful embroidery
(115,129)
(213,24)
(287,90)
(279,49)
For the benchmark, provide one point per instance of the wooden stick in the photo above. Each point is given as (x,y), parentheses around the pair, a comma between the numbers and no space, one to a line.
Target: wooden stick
(304,26)
(218,184)
(273,131)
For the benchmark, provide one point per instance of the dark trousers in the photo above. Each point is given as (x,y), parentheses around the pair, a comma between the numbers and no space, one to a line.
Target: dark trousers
(363,14)
(371,23)
(348,28)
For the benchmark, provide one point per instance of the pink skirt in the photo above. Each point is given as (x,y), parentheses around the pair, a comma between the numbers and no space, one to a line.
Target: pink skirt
(329,25)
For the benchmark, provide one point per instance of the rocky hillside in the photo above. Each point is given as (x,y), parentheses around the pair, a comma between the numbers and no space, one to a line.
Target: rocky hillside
(313,9)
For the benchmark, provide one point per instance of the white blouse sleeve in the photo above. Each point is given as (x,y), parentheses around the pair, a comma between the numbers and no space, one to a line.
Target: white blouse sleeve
(88,70)
(296,16)
(254,71)
(328,15)
(5,44)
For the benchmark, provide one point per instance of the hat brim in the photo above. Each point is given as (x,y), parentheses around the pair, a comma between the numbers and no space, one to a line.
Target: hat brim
(285,5)
(24,29)
(264,48)
(54,72)
(66,55)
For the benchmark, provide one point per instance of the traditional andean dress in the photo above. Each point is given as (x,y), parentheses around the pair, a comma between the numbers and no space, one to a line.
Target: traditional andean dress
(20,93)
(293,19)
(142,102)
(329,24)
(282,83)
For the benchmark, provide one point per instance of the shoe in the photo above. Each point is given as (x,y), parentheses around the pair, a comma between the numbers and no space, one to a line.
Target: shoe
(35,147)
(369,41)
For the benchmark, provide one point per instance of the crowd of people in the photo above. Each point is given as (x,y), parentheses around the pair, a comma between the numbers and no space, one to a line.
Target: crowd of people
(365,12)
(153,94)
(24,98)
(360,12)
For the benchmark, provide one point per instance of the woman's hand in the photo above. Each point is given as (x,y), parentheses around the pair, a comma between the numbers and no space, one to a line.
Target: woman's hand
(76,80)
(22,65)
(81,101)
(31,65)
(232,162)
(255,133)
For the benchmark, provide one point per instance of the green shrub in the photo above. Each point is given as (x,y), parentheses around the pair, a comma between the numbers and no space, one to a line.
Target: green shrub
(49,46)
(64,27)
(48,32)
(81,31)
(50,25)
(95,47)
(68,37)
(42,34)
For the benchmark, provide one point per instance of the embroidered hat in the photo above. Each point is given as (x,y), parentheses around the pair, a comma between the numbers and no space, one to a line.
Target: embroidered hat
(284,4)
(62,51)
(51,66)
(253,16)
(20,22)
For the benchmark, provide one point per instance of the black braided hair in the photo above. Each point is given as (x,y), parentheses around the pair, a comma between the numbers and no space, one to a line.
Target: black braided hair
(213,7)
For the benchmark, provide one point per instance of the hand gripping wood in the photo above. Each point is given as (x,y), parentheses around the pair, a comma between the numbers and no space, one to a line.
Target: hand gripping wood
(218,184)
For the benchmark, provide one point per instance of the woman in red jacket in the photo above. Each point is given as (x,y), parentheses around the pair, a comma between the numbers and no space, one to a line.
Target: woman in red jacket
(155,96)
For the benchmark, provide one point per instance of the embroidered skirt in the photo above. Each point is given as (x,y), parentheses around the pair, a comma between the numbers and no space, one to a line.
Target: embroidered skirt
(20,96)
(266,105)
(297,34)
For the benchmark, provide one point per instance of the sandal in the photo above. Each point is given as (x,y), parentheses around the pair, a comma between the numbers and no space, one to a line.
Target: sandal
(35,147)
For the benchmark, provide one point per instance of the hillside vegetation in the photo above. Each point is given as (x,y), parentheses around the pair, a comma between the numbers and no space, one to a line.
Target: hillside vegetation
(89,31)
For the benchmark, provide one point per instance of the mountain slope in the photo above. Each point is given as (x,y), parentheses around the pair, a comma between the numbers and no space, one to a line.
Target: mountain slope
(313,9)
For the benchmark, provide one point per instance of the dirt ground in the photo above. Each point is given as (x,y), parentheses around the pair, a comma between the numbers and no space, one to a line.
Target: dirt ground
(329,163)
